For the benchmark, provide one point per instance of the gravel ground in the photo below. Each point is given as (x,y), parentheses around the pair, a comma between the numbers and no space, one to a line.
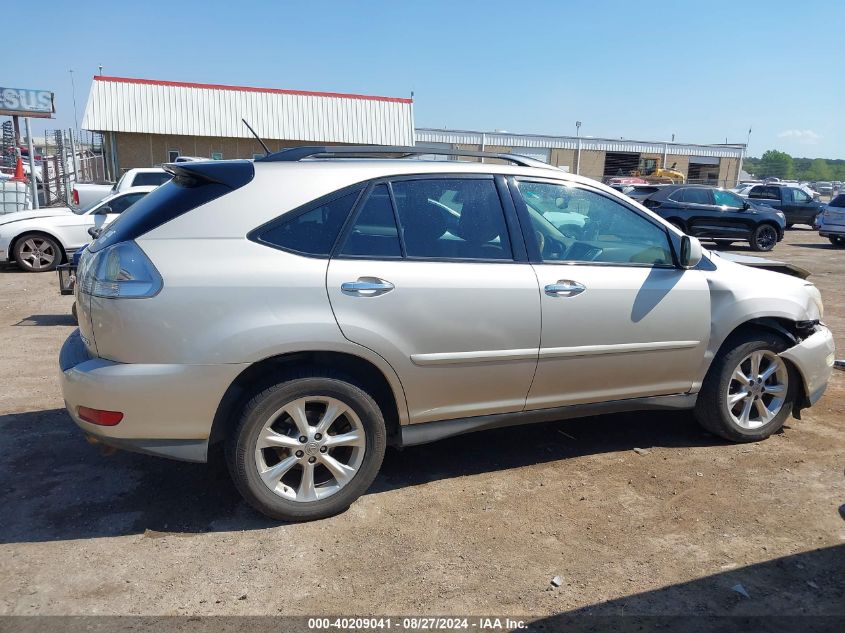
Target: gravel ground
(471,525)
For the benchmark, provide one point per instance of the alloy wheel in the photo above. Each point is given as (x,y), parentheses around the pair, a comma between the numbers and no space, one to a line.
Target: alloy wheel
(766,238)
(310,448)
(757,389)
(38,253)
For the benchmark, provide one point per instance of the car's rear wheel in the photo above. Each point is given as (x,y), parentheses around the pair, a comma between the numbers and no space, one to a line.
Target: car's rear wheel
(37,253)
(749,391)
(837,240)
(306,448)
(764,238)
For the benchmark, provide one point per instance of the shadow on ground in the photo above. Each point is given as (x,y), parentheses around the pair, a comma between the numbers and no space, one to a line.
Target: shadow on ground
(809,587)
(47,319)
(55,486)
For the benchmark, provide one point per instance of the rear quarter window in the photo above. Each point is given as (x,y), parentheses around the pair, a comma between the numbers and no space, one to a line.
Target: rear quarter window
(311,230)
(838,201)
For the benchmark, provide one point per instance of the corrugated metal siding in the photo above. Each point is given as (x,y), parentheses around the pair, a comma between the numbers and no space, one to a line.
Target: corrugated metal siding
(150,108)
(464,137)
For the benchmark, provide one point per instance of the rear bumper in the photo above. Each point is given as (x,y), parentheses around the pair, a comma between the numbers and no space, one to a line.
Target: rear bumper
(167,409)
(813,357)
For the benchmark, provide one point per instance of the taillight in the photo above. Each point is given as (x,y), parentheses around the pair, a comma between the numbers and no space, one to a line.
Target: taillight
(99,416)
(118,272)
(75,196)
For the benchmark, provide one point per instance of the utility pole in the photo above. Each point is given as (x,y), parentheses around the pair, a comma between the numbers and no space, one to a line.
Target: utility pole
(73,91)
(578,156)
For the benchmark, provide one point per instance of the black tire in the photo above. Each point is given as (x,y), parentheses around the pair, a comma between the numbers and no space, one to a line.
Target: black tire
(837,240)
(711,409)
(241,453)
(789,225)
(764,238)
(46,244)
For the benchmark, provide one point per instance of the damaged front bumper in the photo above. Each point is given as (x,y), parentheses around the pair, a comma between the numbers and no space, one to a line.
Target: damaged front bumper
(813,358)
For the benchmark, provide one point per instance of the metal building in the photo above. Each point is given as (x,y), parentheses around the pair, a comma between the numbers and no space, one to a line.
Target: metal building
(147,122)
(601,158)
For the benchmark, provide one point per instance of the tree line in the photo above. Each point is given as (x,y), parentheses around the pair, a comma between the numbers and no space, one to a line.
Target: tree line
(781,165)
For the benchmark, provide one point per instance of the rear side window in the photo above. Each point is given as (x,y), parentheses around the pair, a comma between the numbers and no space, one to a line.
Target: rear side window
(838,201)
(150,179)
(374,233)
(452,219)
(691,195)
(765,193)
(313,231)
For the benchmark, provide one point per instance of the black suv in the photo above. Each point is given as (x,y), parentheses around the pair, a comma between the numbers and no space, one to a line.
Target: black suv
(718,215)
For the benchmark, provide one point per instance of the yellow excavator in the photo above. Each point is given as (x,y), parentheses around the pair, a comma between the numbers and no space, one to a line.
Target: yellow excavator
(663,175)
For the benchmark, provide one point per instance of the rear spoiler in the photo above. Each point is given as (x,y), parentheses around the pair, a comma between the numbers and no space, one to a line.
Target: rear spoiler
(229,173)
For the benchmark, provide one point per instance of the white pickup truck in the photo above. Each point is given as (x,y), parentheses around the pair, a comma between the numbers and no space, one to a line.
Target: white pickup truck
(85,194)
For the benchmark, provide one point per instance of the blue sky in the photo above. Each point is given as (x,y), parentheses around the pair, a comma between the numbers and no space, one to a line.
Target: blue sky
(703,71)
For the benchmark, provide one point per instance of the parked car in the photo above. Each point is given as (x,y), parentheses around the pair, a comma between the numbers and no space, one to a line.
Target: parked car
(620,182)
(718,215)
(831,223)
(641,192)
(85,194)
(795,203)
(40,240)
(824,188)
(304,314)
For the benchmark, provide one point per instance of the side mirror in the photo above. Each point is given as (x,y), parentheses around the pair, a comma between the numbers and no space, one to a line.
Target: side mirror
(105,210)
(690,252)
(745,206)
(94,232)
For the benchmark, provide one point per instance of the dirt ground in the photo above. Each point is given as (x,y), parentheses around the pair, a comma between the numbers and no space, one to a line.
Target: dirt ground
(478,524)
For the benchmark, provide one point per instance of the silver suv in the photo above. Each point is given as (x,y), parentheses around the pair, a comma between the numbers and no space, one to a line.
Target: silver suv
(308,309)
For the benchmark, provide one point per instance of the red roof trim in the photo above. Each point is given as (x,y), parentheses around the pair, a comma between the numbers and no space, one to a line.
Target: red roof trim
(307,93)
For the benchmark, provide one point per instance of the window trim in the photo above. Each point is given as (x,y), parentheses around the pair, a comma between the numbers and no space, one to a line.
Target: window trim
(255,234)
(519,253)
(534,255)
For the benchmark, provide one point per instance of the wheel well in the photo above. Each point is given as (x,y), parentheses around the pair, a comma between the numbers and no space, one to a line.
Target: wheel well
(18,238)
(678,223)
(786,329)
(774,225)
(269,371)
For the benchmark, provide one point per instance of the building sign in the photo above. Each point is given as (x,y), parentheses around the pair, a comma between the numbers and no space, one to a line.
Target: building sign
(26,102)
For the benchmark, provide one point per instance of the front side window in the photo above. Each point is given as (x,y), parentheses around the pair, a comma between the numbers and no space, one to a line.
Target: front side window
(728,199)
(610,232)
(799,196)
(121,203)
(452,219)
(313,232)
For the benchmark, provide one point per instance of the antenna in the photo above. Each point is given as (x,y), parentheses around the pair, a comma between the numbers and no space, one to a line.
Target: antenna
(257,138)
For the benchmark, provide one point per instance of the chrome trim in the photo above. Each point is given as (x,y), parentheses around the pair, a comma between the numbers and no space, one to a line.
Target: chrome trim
(619,348)
(486,356)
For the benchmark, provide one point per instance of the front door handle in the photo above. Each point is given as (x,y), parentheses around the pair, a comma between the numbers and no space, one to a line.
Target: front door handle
(565,288)
(366,287)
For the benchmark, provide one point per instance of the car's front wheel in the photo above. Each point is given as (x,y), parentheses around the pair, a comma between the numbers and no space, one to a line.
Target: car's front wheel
(37,253)
(306,448)
(837,240)
(764,238)
(749,391)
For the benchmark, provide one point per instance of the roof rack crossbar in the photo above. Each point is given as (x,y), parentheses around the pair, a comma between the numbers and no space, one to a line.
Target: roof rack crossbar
(358,151)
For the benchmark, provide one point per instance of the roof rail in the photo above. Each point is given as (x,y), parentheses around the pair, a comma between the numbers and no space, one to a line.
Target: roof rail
(373,151)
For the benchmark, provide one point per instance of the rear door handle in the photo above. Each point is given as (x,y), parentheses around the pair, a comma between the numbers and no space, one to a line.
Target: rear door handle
(565,288)
(366,287)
